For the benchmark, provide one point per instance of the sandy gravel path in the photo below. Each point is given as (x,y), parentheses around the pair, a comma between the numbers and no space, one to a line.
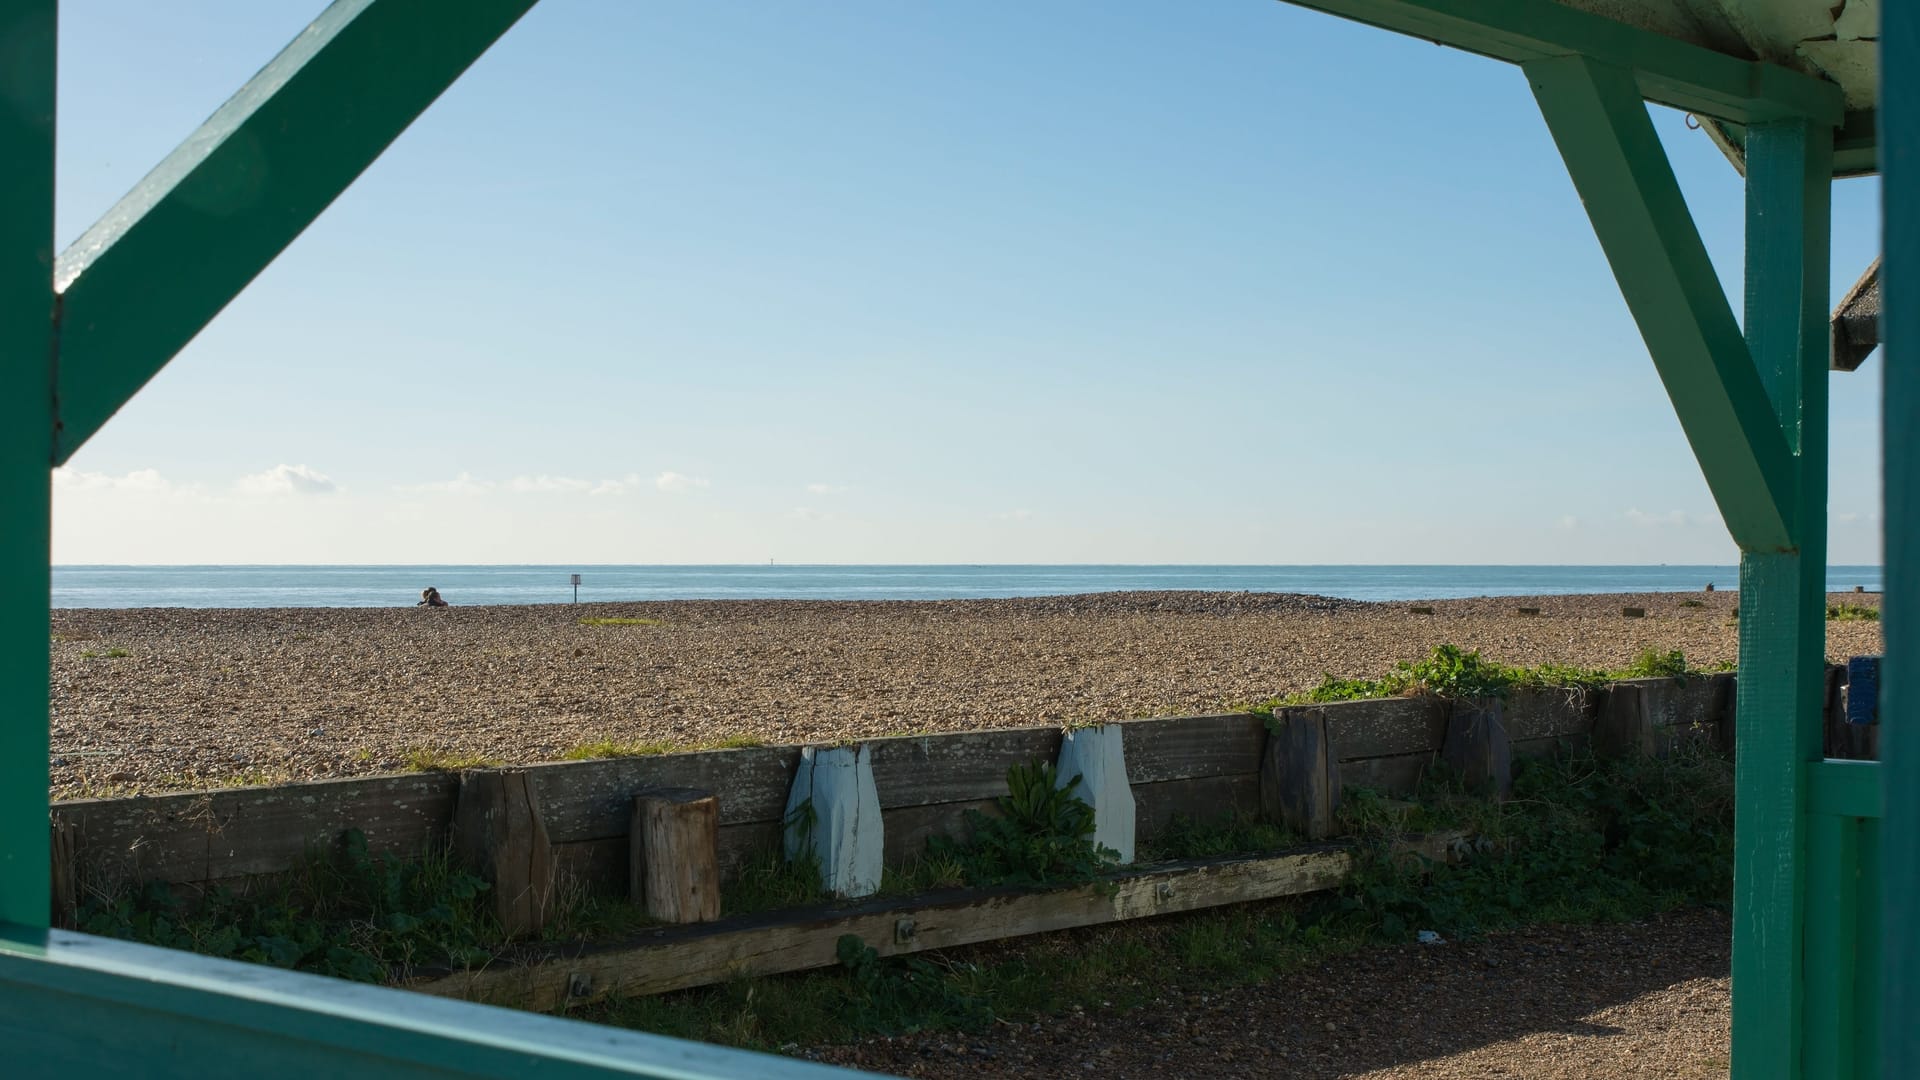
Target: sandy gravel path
(149,700)
(1648,1001)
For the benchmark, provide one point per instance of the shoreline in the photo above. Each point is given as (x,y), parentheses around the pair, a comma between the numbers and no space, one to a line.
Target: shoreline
(166,699)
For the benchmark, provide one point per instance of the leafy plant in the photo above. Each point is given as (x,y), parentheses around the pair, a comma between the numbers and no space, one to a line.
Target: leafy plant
(1452,672)
(1848,612)
(1042,834)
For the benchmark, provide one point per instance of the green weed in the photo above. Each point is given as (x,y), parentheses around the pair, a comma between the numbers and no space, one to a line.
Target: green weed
(1849,612)
(1452,672)
(1042,834)
(611,748)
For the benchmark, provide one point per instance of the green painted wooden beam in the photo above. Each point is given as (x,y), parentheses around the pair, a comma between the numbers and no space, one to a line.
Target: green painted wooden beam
(79,1006)
(150,275)
(1845,788)
(1783,624)
(1900,485)
(1621,172)
(27,58)
(1665,70)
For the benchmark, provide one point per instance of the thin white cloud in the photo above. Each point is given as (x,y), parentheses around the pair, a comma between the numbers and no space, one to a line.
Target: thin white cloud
(150,480)
(808,513)
(1670,519)
(673,481)
(544,483)
(464,484)
(621,486)
(826,489)
(287,480)
(1013,515)
(1569,523)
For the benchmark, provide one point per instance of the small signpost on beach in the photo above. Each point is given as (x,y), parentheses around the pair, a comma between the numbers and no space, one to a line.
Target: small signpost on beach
(576,588)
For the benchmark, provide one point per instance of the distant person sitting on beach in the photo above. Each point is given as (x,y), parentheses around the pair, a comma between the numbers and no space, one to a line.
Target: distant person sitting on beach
(430,597)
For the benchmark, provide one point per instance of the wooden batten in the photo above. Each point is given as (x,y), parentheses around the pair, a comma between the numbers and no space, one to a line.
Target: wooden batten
(675,861)
(1300,774)
(1477,748)
(499,833)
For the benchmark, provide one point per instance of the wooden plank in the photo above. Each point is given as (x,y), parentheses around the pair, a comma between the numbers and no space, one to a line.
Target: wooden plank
(1540,748)
(919,770)
(1192,747)
(1202,799)
(908,828)
(683,957)
(592,800)
(603,866)
(1383,727)
(238,832)
(677,958)
(1397,775)
(1549,712)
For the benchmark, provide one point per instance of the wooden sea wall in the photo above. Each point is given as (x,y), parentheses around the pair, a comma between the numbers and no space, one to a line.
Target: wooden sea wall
(1193,766)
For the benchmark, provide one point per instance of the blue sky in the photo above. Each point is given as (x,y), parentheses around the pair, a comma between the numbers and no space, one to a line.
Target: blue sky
(1116,281)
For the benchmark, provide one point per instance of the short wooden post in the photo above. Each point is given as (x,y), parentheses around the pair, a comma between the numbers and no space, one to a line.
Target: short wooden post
(675,864)
(833,817)
(66,885)
(1624,727)
(1300,773)
(498,832)
(1476,746)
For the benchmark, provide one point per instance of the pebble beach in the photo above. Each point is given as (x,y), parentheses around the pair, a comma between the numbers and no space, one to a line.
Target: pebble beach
(169,699)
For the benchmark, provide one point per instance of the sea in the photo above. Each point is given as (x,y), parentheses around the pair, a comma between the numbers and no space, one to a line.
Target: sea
(399,586)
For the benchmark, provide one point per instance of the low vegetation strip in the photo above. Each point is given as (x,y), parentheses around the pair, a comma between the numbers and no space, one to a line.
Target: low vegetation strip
(1452,672)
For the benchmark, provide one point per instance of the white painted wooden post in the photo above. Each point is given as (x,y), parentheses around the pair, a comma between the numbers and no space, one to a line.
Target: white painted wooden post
(1096,756)
(833,814)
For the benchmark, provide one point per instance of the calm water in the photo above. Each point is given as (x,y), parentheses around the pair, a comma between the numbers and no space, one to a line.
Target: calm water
(389,586)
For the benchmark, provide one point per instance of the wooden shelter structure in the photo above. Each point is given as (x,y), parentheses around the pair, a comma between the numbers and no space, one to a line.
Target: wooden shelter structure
(1826,978)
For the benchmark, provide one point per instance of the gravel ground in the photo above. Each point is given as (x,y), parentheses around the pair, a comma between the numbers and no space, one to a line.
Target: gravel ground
(1647,1000)
(159,699)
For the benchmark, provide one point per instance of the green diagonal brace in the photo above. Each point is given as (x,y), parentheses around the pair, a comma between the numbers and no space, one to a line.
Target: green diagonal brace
(1665,70)
(1617,163)
(150,275)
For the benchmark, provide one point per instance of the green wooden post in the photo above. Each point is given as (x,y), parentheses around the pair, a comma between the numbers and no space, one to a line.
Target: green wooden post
(1782,598)
(1900,618)
(27,58)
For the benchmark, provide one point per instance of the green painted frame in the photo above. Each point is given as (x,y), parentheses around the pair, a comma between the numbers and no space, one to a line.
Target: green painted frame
(1899,946)
(79,337)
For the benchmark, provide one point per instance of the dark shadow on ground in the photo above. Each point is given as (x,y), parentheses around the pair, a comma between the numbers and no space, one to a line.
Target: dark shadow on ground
(1372,1010)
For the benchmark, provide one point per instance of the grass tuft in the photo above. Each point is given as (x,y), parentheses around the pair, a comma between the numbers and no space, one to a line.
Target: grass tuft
(605,620)
(1847,612)
(1453,672)
(611,748)
(434,759)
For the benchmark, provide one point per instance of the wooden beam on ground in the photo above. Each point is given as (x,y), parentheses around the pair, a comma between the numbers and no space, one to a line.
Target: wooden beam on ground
(676,855)
(770,944)
(1640,215)
(146,278)
(1664,69)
